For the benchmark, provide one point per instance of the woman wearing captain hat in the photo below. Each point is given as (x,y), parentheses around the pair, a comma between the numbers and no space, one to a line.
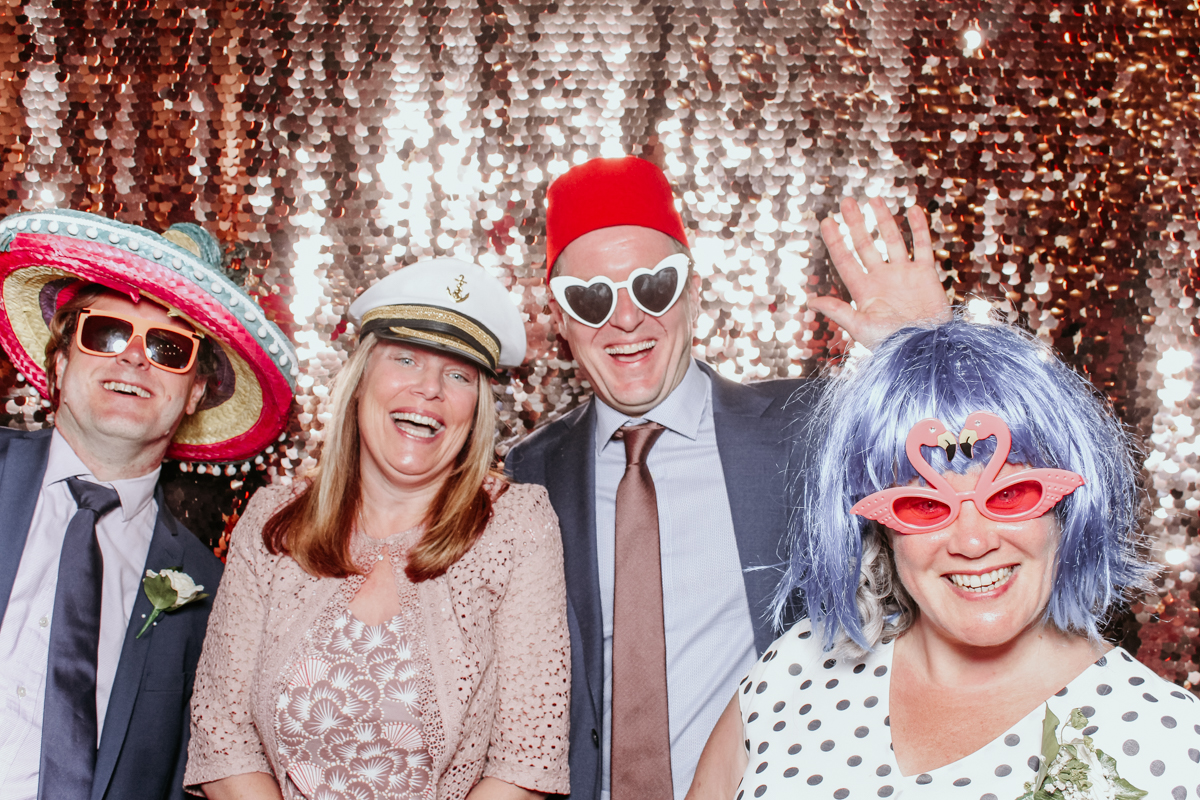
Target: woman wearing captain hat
(396,626)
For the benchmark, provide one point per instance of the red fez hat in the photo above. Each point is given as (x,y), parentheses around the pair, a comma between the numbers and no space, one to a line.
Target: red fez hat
(605,192)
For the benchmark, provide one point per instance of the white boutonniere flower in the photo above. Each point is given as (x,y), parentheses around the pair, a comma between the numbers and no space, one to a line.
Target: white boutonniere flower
(1075,769)
(169,590)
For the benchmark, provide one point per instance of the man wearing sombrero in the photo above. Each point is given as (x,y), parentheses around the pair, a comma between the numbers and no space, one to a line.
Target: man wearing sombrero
(669,484)
(145,349)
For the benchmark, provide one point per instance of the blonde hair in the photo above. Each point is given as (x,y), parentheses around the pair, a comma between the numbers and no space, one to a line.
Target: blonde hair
(316,526)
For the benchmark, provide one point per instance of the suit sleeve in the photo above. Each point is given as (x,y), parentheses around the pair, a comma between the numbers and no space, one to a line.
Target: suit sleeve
(517,466)
(224,738)
(528,744)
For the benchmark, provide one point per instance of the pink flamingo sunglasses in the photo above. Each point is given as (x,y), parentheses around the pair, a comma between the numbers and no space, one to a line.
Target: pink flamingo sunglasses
(1023,495)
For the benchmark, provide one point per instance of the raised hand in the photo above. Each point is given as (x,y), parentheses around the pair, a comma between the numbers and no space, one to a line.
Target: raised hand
(888,294)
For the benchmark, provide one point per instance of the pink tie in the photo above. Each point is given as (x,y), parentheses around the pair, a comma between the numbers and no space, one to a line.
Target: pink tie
(641,735)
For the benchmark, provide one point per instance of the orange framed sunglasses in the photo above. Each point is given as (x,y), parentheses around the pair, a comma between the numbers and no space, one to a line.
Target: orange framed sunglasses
(108,333)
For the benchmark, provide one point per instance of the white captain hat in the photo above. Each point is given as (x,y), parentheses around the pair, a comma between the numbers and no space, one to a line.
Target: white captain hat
(449,305)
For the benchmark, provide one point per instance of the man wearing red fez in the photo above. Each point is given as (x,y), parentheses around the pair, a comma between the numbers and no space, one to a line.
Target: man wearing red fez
(669,485)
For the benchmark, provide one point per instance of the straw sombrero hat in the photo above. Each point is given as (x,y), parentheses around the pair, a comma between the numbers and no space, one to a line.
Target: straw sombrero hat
(43,253)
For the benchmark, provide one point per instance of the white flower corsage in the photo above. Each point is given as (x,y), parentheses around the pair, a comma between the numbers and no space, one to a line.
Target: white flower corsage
(1076,769)
(169,590)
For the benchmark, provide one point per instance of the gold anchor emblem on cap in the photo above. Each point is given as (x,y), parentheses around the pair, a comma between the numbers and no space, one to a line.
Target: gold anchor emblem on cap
(457,290)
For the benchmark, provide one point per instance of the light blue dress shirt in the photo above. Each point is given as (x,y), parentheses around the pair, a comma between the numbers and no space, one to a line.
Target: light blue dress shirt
(710,637)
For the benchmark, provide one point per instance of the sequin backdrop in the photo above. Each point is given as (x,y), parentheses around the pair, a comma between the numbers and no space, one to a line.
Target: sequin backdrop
(1057,147)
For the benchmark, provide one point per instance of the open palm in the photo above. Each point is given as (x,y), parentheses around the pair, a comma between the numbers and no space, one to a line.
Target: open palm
(887,294)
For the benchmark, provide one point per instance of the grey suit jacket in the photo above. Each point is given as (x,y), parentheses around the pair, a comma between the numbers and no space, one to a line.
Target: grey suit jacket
(143,746)
(752,425)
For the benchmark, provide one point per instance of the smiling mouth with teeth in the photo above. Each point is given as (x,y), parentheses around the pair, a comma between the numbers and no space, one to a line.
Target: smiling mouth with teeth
(125,388)
(417,425)
(630,349)
(986,582)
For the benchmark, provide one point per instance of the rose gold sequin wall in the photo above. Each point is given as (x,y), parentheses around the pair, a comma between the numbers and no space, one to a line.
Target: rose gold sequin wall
(1057,147)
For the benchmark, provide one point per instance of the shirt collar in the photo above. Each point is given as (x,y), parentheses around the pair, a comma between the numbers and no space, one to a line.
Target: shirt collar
(63,463)
(681,411)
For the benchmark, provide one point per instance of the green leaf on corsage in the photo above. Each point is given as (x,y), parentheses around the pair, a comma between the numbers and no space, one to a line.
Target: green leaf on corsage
(1075,768)
(168,590)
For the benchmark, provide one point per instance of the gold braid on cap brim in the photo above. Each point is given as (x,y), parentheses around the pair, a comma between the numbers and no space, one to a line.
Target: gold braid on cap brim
(473,340)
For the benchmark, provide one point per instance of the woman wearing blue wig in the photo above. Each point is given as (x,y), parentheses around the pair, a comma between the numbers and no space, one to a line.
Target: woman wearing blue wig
(968,524)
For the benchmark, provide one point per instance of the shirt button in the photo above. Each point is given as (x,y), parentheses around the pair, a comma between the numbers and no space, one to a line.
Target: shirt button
(20,691)
(44,621)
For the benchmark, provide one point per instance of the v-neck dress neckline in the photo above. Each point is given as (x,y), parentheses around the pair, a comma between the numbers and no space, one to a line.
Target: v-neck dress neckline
(819,726)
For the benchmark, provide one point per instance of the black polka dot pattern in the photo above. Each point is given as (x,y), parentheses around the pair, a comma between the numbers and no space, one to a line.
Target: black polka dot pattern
(830,738)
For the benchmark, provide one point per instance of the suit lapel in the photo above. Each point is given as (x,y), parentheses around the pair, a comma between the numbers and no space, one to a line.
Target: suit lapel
(20,486)
(166,551)
(570,479)
(753,457)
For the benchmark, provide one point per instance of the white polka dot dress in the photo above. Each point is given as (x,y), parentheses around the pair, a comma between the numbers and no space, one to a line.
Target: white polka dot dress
(817,727)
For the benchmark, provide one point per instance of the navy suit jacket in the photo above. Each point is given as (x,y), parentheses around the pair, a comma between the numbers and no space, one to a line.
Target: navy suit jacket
(752,425)
(143,746)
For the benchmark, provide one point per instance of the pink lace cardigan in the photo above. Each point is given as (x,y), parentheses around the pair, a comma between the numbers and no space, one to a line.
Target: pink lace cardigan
(495,635)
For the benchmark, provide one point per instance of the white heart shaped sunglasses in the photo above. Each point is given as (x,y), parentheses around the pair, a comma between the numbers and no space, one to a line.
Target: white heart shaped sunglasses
(653,290)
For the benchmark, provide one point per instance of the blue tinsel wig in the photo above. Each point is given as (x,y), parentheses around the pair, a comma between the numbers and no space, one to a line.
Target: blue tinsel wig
(947,372)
